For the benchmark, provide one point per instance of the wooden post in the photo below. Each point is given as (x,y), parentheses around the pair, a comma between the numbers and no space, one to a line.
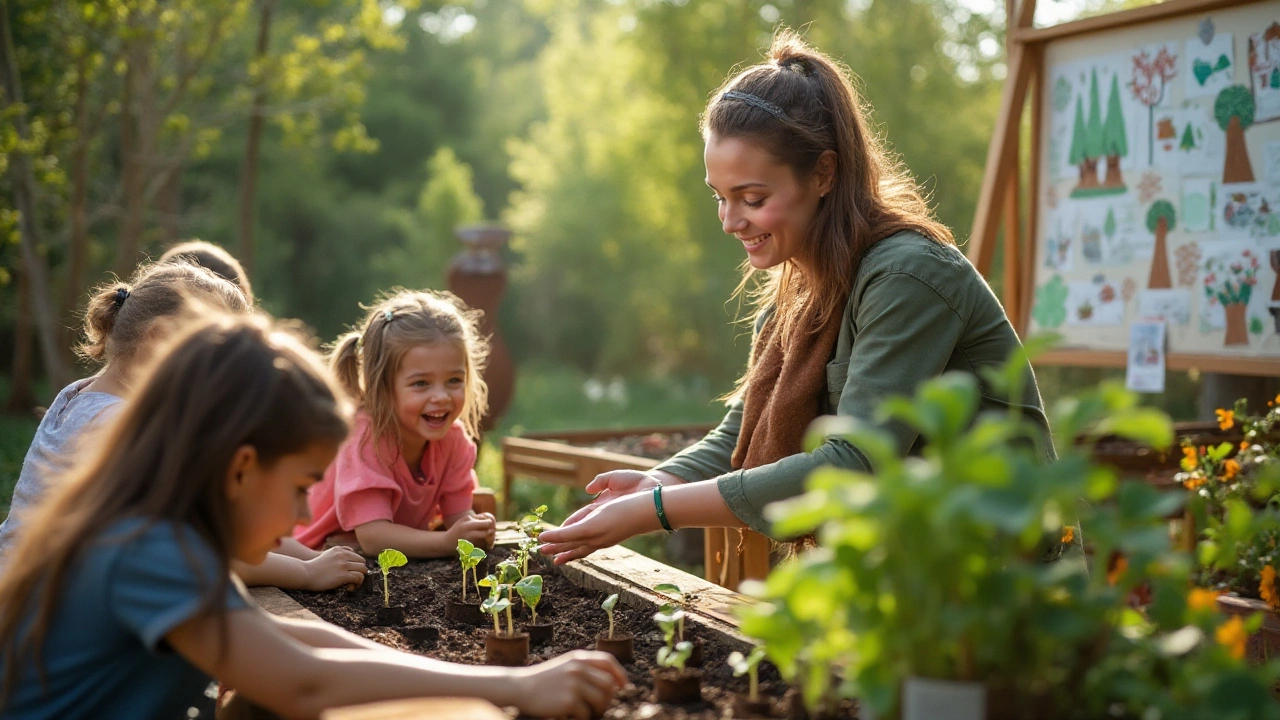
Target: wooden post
(731,557)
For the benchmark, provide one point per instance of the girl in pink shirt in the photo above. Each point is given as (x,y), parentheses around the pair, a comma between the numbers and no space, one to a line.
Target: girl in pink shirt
(414,370)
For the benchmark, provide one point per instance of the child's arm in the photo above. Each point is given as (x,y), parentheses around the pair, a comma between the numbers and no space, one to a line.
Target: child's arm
(379,535)
(332,568)
(286,676)
(293,548)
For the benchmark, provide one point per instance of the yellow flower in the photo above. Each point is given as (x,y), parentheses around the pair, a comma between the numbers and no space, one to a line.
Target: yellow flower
(1068,534)
(1226,418)
(1188,459)
(1193,482)
(1202,599)
(1117,571)
(1267,588)
(1231,635)
(1229,469)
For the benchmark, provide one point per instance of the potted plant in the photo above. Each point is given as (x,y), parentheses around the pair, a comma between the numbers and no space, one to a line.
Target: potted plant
(751,706)
(619,645)
(529,588)
(388,615)
(464,610)
(682,603)
(510,648)
(672,682)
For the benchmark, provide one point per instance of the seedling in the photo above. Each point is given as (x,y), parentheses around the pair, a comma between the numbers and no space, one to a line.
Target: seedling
(669,619)
(749,665)
(470,556)
(681,603)
(495,604)
(530,590)
(388,559)
(608,605)
(669,657)
(531,523)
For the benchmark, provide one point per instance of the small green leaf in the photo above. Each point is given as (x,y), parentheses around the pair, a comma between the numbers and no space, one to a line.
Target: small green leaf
(389,558)
(610,603)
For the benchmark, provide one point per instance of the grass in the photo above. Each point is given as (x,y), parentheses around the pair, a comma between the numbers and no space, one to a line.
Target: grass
(15,436)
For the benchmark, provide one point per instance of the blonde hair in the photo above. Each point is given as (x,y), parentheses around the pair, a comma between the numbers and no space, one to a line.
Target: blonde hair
(212,258)
(365,360)
(224,384)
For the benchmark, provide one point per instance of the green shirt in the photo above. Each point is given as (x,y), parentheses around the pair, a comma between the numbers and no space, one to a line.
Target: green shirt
(918,309)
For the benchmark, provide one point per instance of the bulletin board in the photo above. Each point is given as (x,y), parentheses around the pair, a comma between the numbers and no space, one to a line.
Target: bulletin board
(1154,187)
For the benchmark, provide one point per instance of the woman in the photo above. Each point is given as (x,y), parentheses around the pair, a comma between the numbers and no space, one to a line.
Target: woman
(865,296)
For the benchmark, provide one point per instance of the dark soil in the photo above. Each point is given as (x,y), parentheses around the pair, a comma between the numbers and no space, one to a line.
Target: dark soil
(658,446)
(422,587)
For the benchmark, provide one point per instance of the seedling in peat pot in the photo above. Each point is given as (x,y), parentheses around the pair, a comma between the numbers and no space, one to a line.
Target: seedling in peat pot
(495,603)
(511,649)
(388,615)
(620,646)
(675,657)
(609,604)
(751,706)
(681,603)
(530,590)
(671,681)
(469,556)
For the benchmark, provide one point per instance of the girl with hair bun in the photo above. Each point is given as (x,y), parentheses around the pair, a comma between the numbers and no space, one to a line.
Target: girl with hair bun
(861,295)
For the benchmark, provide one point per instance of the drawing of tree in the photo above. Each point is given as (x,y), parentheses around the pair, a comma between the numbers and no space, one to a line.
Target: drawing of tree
(1094,139)
(1150,77)
(1188,142)
(1161,218)
(1234,110)
(1076,155)
(1115,142)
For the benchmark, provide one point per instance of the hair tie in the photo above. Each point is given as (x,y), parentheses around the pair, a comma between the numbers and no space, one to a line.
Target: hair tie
(387,315)
(756,102)
(122,294)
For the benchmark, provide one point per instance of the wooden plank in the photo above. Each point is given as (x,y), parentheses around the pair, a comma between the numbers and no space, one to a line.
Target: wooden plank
(274,601)
(728,566)
(1021,321)
(599,435)
(1012,240)
(1124,18)
(451,708)
(561,451)
(1266,367)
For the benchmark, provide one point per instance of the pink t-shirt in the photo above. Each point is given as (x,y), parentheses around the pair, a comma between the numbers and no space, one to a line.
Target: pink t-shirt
(359,488)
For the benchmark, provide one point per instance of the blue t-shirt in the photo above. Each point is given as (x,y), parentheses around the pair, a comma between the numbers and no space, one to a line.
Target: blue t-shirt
(104,653)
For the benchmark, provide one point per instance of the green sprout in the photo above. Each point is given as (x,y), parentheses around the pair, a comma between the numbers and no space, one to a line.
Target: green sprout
(531,523)
(495,604)
(749,665)
(530,590)
(681,603)
(608,605)
(668,618)
(470,556)
(508,576)
(675,657)
(388,559)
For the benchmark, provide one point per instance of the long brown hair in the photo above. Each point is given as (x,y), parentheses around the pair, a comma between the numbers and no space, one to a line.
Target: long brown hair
(226,383)
(365,360)
(872,195)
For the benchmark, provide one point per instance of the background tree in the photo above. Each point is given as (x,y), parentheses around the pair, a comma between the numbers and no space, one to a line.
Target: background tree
(1234,110)
(1161,218)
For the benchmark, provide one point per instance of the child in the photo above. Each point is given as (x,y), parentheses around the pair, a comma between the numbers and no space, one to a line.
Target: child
(414,369)
(118,602)
(212,258)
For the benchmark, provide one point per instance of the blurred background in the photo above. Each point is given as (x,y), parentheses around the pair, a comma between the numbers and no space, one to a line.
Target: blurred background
(335,145)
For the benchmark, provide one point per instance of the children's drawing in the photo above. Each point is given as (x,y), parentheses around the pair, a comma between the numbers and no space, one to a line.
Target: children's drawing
(1248,210)
(1153,68)
(1234,111)
(1061,240)
(1188,259)
(1172,306)
(1050,310)
(1228,276)
(1197,204)
(1122,240)
(1149,187)
(1099,138)
(1188,141)
(1091,242)
(1094,302)
(1128,288)
(1264,72)
(1273,162)
(1208,65)
(1161,218)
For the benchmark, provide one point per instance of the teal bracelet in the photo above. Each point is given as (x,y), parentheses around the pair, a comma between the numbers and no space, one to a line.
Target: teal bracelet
(662,514)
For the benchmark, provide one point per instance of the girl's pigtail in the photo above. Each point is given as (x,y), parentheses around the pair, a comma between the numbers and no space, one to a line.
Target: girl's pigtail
(345,364)
(99,319)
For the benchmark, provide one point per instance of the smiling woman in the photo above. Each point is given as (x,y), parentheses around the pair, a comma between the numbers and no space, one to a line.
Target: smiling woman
(862,295)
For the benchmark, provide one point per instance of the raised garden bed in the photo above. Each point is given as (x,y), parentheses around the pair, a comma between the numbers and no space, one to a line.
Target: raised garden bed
(574,593)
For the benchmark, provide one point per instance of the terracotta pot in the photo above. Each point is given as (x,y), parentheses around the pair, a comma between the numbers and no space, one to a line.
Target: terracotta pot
(465,612)
(540,633)
(744,707)
(677,687)
(1265,643)
(507,650)
(620,646)
(422,634)
(389,616)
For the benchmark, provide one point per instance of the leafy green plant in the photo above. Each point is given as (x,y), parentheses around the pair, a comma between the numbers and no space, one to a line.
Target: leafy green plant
(496,603)
(470,556)
(388,559)
(530,590)
(748,665)
(608,605)
(673,654)
(681,603)
(531,527)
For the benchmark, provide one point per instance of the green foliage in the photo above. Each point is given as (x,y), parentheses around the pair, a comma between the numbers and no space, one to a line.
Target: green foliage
(530,590)
(1234,101)
(388,559)
(675,656)
(469,556)
(676,651)
(608,605)
(1162,209)
(748,664)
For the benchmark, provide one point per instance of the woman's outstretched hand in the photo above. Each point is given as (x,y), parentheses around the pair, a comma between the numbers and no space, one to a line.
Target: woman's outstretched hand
(618,483)
(599,526)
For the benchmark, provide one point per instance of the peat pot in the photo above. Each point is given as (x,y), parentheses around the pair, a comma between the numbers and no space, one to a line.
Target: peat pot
(620,646)
(508,650)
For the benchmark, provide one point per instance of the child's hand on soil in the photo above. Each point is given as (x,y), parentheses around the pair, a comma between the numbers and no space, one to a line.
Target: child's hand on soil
(475,529)
(333,568)
(493,530)
(578,684)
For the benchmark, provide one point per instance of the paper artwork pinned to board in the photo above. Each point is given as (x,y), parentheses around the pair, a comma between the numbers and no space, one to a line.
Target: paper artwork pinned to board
(1099,133)
(1161,219)
(1227,279)
(1188,141)
(1188,259)
(1197,204)
(1172,306)
(1248,210)
(1264,72)
(1273,163)
(1208,66)
(1149,187)
(1122,240)
(1152,69)
(1144,369)
(1094,302)
(1050,309)
(1064,229)
(1235,112)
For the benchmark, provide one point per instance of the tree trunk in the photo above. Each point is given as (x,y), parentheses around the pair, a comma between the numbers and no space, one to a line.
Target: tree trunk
(249,168)
(1236,168)
(1114,178)
(169,206)
(78,245)
(22,397)
(1090,179)
(24,192)
(132,181)
(1237,328)
(1159,278)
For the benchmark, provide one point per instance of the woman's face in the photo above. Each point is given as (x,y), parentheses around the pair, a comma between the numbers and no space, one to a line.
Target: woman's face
(761,201)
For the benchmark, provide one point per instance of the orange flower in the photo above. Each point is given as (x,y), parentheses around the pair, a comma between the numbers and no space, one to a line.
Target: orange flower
(1267,588)
(1229,469)
(1202,599)
(1231,635)
(1244,445)
(1068,534)
(1194,481)
(1226,418)
(1188,459)
(1117,571)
